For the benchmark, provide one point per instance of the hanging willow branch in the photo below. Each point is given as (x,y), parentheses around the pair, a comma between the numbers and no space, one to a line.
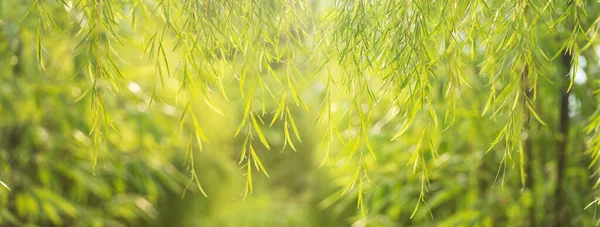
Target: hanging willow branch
(391,56)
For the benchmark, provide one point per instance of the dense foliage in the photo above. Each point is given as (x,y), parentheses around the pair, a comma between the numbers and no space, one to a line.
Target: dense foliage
(295,113)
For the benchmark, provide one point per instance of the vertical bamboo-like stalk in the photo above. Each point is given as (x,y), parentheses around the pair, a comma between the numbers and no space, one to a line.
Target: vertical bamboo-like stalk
(528,146)
(530,180)
(560,207)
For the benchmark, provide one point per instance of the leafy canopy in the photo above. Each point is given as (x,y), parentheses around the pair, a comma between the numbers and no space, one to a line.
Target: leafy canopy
(404,67)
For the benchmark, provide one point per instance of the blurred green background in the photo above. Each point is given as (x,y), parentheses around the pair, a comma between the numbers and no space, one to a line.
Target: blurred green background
(142,173)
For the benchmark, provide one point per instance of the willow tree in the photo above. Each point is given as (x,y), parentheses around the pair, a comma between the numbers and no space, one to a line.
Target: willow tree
(424,107)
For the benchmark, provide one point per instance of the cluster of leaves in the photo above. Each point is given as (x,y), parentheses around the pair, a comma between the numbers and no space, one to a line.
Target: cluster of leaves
(397,55)
(393,67)
(45,149)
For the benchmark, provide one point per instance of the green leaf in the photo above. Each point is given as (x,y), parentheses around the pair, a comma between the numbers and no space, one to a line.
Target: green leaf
(4,185)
